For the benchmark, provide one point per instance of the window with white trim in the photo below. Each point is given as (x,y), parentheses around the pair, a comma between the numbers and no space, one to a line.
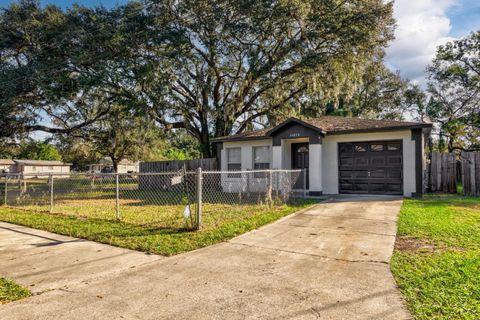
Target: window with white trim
(234,161)
(261,160)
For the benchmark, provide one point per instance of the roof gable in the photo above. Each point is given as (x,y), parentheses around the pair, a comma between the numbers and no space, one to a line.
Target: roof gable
(41,163)
(291,121)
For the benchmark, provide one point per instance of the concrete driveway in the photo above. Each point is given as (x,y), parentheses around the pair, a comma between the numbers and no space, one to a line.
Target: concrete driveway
(328,262)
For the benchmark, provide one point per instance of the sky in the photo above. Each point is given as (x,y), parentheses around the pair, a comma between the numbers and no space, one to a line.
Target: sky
(422,25)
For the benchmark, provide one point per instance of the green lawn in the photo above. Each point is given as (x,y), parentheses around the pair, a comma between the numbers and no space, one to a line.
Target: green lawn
(436,262)
(220,223)
(10,291)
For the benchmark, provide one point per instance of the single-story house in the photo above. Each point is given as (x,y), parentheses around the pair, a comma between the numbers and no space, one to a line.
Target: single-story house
(105,165)
(338,154)
(6,165)
(40,168)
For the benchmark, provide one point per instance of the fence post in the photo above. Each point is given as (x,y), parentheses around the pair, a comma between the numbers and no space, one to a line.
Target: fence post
(51,193)
(269,191)
(117,197)
(5,190)
(198,225)
(248,184)
(304,173)
(473,184)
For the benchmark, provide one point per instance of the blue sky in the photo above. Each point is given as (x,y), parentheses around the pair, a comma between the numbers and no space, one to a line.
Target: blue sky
(422,25)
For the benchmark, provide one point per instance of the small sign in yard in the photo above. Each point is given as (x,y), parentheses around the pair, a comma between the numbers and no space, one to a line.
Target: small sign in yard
(177,180)
(186,212)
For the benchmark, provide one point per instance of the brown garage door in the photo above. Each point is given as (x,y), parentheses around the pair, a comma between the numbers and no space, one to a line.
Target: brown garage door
(371,167)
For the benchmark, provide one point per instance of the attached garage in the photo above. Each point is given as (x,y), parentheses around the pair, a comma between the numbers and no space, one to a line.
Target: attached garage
(371,167)
(336,154)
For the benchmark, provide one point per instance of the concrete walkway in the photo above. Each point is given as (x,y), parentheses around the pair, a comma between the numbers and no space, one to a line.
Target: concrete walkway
(329,262)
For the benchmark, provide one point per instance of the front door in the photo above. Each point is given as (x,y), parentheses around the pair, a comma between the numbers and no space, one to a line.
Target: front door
(300,161)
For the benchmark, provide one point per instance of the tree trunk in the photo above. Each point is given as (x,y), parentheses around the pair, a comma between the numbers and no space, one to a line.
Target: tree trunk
(450,143)
(205,145)
(115,163)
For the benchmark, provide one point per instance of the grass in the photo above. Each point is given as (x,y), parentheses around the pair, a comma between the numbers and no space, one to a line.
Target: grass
(10,291)
(436,262)
(153,229)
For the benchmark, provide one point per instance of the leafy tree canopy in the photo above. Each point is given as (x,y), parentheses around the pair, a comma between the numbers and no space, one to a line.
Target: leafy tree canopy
(35,150)
(212,68)
(454,86)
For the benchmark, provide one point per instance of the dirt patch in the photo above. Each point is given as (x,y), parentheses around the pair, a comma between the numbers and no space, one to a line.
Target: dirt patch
(407,244)
(474,206)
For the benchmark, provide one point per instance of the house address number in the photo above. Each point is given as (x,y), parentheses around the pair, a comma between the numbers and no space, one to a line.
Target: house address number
(294,135)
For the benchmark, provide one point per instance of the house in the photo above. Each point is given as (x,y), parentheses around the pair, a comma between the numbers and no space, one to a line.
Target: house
(6,165)
(40,168)
(338,154)
(105,165)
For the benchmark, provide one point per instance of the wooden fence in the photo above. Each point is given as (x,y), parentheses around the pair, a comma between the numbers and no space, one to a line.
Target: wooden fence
(165,182)
(445,170)
(207,164)
(471,173)
(442,172)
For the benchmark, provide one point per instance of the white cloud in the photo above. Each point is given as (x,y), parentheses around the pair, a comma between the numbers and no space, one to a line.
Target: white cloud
(422,25)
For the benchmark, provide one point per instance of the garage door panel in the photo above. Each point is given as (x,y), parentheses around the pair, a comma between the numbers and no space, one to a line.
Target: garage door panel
(378,161)
(394,160)
(394,188)
(394,174)
(346,161)
(361,161)
(378,173)
(359,174)
(346,174)
(346,148)
(346,186)
(360,187)
(371,167)
(377,187)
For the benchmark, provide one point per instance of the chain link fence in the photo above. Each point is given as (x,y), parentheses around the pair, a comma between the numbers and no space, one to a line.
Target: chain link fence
(173,200)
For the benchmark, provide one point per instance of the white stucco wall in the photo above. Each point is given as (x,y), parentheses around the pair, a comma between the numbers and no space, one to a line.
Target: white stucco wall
(247,152)
(237,184)
(315,167)
(330,157)
(6,168)
(42,171)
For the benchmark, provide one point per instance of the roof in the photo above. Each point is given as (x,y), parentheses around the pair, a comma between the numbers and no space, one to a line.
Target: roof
(108,162)
(328,125)
(6,162)
(42,163)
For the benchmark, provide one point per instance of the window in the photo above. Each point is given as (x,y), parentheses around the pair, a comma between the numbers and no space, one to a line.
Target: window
(234,161)
(376,147)
(361,147)
(261,160)
(394,147)
(303,149)
(50,168)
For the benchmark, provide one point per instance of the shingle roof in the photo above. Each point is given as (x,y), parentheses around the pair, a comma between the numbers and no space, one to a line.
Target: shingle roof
(42,163)
(341,124)
(6,162)
(333,125)
(108,162)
